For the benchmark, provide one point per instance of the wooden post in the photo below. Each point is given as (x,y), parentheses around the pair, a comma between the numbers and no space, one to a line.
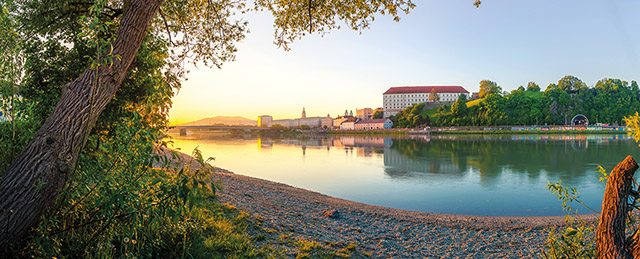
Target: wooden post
(610,236)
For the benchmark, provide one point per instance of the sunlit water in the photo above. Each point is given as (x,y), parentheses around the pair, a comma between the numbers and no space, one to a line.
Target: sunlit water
(497,175)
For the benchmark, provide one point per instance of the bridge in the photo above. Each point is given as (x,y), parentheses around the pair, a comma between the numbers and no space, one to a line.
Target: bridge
(183,129)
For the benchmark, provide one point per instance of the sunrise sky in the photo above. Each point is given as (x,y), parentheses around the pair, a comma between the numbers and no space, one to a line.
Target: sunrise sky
(441,42)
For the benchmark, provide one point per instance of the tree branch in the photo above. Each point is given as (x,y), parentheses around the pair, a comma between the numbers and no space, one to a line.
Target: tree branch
(166,26)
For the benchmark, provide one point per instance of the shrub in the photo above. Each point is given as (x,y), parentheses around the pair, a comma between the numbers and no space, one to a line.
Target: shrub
(125,200)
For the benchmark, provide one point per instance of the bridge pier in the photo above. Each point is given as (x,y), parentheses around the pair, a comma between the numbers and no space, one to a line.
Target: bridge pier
(183,132)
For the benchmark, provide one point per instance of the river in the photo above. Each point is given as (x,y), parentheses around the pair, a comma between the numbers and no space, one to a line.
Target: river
(486,175)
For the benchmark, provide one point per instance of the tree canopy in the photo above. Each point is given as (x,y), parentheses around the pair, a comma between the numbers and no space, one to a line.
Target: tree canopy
(571,83)
(488,87)
(533,87)
(82,56)
(433,96)
(459,107)
(410,117)
(378,114)
(608,102)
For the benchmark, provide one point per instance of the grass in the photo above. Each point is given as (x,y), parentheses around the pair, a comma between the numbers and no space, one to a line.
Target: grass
(225,233)
(433,112)
(312,249)
(535,95)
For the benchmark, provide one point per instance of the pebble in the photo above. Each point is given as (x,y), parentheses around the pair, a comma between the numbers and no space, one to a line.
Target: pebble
(379,232)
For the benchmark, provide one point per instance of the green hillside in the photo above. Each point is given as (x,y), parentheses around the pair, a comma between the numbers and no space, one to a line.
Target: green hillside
(475,102)
(535,95)
(433,113)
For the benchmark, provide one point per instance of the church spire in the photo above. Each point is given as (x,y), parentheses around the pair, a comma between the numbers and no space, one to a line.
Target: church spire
(304,113)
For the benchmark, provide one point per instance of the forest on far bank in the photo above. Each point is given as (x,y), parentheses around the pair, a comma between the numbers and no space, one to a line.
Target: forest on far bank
(607,102)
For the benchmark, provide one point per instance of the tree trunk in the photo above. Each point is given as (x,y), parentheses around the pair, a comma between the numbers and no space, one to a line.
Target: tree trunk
(36,177)
(610,237)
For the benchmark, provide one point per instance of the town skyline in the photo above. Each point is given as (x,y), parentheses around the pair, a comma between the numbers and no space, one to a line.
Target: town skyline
(438,43)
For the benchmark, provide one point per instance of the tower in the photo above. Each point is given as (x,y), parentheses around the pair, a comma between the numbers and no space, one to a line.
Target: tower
(304,113)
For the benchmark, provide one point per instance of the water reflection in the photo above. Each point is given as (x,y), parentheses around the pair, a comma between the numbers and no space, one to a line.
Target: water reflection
(408,157)
(468,174)
(565,157)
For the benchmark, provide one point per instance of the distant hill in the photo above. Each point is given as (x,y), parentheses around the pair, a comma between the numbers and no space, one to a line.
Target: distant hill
(222,120)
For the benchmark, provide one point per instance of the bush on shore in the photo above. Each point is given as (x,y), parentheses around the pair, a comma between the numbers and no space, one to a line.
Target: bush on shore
(117,204)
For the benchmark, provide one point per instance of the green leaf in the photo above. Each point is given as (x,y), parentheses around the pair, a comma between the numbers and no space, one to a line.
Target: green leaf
(571,233)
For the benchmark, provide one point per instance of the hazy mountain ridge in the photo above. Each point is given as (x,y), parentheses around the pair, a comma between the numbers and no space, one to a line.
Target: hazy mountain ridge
(224,120)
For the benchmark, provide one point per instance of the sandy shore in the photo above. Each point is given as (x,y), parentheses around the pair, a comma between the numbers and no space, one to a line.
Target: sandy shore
(380,232)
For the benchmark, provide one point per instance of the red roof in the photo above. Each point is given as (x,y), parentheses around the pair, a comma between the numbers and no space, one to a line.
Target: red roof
(425,89)
(372,121)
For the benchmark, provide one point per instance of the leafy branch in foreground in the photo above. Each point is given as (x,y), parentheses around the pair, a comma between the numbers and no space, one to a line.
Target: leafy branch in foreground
(567,195)
(607,237)
(127,200)
(577,239)
(200,31)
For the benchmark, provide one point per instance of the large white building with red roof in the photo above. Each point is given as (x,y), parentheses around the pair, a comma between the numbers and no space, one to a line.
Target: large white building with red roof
(397,98)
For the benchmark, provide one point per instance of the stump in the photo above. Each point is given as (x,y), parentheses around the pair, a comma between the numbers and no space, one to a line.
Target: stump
(611,241)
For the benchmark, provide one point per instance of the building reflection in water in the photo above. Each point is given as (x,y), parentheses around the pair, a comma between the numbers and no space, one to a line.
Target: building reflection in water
(462,174)
(413,157)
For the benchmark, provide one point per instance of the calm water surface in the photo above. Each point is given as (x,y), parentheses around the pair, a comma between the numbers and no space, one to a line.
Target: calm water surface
(499,175)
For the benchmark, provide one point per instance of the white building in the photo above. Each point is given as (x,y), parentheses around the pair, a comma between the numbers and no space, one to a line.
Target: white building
(313,122)
(397,98)
(349,123)
(373,124)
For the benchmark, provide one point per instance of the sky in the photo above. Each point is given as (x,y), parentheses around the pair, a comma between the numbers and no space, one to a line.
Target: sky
(441,42)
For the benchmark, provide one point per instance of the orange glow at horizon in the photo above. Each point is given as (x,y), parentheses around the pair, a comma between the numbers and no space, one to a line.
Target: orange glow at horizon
(184,117)
(347,70)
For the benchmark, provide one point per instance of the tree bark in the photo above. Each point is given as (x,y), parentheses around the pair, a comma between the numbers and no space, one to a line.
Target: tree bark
(35,178)
(610,237)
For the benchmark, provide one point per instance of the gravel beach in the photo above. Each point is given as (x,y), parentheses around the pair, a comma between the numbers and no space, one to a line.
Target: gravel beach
(379,232)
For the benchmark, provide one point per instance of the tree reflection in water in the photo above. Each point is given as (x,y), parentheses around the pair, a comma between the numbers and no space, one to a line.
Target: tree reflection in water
(568,157)
(497,175)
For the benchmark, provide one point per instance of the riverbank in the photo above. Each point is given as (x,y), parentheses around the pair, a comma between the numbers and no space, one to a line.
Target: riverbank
(531,130)
(381,232)
(290,218)
(520,132)
(573,130)
(369,132)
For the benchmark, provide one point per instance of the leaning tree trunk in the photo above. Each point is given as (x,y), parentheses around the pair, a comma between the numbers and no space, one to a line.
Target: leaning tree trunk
(35,178)
(611,241)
